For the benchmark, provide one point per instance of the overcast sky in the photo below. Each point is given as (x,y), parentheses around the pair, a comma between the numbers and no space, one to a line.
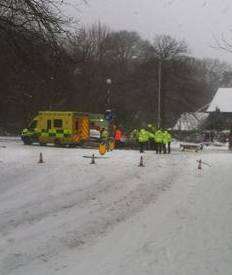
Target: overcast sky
(194,20)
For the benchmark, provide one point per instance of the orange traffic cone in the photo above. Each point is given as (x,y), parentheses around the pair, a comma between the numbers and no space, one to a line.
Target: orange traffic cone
(93,159)
(40,158)
(199,167)
(141,164)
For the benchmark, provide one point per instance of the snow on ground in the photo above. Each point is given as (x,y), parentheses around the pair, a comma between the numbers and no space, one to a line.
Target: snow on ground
(69,217)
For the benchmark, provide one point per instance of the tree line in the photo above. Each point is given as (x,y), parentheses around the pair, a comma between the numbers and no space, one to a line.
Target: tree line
(45,67)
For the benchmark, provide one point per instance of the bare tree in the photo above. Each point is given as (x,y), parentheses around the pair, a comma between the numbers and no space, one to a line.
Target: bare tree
(165,48)
(88,49)
(41,17)
(125,46)
(223,43)
(31,54)
(89,43)
(32,20)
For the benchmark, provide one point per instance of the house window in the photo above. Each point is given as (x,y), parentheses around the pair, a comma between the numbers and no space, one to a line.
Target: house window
(58,123)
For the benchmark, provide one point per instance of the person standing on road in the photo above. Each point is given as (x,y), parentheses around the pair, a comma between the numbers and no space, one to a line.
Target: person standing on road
(164,142)
(142,139)
(151,141)
(230,140)
(167,142)
(104,135)
(117,138)
(151,131)
(169,139)
(158,140)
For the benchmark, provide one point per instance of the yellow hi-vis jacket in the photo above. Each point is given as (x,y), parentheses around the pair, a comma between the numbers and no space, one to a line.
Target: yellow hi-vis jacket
(167,138)
(143,136)
(159,136)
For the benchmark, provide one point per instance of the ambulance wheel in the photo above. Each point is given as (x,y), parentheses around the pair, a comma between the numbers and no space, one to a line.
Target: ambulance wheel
(72,145)
(81,143)
(27,140)
(42,144)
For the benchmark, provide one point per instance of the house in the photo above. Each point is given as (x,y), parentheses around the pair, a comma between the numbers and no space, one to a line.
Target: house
(222,101)
(190,121)
(217,115)
(220,110)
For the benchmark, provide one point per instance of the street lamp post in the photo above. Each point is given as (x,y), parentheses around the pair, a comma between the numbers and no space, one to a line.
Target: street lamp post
(108,82)
(160,68)
(159,92)
(52,90)
(108,111)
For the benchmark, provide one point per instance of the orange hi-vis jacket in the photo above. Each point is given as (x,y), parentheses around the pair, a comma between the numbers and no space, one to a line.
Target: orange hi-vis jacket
(118,135)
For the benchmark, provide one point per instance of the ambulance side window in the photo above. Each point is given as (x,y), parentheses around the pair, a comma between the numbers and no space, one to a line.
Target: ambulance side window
(58,123)
(49,124)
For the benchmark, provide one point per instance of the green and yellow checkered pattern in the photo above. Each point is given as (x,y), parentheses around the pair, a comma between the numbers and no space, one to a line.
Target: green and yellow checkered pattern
(56,133)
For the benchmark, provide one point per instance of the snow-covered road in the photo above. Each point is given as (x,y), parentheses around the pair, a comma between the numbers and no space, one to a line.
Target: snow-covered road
(69,217)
